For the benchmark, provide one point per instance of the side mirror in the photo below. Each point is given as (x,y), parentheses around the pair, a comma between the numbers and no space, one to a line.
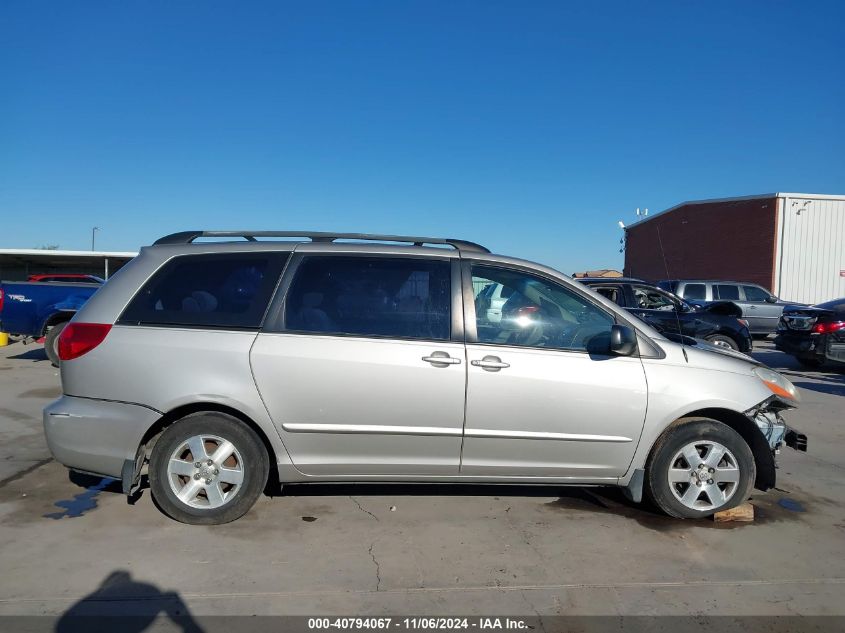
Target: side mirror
(771,299)
(623,340)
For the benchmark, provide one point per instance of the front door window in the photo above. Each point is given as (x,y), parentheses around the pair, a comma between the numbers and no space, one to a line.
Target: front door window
(540,313)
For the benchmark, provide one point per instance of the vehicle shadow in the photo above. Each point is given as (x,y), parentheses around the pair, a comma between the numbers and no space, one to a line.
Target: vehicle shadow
(789,366)
(833,387)
(568,501)
(105,609)
(36,354)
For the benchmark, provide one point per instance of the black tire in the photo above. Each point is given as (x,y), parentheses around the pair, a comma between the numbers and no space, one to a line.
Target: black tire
(809,363)
(674,439)
(721,339)
(254,469)
(51,343)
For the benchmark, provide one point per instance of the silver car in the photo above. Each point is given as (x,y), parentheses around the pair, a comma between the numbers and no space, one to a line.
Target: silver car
(214,365)
(759,307)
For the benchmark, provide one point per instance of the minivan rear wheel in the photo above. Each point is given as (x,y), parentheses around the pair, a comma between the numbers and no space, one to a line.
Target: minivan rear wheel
(207,469)
(698,467)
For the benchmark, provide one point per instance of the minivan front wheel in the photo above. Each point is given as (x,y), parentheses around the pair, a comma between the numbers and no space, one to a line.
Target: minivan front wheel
(698,467)
(207,469)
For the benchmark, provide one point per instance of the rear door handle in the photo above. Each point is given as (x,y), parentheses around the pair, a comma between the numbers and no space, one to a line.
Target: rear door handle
(441,359)
(490,363)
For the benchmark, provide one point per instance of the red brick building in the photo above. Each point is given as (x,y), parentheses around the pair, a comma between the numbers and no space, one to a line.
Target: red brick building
(792,244)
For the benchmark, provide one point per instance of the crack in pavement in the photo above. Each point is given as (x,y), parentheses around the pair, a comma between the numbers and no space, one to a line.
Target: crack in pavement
(25,471)
(373,556)
(694,585)
(535,610)
(378,567)
(362,508)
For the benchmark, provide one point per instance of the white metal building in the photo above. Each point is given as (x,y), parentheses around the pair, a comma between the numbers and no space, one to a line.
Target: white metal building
(811,247)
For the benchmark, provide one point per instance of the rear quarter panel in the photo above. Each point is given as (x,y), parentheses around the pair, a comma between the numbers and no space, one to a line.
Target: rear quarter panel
(167,368)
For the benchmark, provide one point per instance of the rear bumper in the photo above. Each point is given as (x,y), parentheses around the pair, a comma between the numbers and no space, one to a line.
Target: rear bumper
(747,342)
(796,345)
(96,436)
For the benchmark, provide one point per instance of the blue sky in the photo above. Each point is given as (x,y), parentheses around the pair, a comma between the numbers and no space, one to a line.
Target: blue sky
(532,127)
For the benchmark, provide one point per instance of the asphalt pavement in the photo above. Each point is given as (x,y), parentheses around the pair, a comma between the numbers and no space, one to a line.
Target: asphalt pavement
(74,543)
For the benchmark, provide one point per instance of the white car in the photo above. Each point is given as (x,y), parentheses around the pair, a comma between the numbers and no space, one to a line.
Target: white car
(491,300)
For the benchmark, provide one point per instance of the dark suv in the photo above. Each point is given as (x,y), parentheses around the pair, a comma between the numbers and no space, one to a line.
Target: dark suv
(717,323)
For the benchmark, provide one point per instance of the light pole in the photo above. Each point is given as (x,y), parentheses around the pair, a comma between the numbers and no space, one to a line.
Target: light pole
(93,235)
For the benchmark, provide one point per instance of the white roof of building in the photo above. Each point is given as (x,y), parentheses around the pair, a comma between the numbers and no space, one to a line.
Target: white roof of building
(759,196)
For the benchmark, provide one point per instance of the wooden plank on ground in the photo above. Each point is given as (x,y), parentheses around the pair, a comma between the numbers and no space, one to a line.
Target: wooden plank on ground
(744,513)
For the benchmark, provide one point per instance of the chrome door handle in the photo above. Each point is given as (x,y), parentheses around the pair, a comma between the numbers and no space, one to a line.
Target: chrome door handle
(441,358)
(490,363)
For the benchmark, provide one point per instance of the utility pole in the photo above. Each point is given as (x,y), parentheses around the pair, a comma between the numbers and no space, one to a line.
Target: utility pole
(93,235)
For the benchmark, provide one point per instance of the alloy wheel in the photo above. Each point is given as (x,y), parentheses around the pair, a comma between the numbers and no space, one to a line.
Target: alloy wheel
(703,475)
(205,471)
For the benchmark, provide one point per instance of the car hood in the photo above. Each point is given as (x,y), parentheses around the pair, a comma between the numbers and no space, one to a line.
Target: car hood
(707,346)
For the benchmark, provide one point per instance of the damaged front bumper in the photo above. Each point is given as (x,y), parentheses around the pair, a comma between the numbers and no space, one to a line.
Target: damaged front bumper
(766,416)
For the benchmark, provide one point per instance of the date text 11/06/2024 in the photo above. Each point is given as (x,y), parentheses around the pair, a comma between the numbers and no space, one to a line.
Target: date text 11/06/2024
(419,623)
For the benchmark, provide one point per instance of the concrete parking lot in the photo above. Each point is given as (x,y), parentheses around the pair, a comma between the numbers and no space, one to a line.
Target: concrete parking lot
(75,542)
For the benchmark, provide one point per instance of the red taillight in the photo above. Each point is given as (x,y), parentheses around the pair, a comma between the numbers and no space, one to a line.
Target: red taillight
(526,310)
(80,338)
(1,299)
(827,328)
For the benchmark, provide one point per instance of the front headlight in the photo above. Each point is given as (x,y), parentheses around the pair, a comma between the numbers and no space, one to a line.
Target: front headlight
(777,384)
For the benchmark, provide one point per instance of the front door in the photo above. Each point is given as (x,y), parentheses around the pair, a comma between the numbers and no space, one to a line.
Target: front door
(360,373)
(544,396)
(762,315)
(661,311)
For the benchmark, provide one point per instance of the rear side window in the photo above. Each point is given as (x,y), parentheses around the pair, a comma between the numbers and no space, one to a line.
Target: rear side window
(726,292)
(753,293)
(223,290)
(395,297)
(611,292)
(695,292)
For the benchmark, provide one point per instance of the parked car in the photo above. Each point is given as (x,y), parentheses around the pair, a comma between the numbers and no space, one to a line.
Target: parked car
(717,323)
(71,277)
(218,363)
(34,309)
(490,301)
(759,307)
(814,335)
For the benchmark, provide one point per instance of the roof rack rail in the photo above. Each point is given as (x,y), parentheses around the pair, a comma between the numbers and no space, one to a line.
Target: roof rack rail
(187,237)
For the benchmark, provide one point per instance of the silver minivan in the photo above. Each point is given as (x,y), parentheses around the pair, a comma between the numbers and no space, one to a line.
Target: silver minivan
(214,361)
